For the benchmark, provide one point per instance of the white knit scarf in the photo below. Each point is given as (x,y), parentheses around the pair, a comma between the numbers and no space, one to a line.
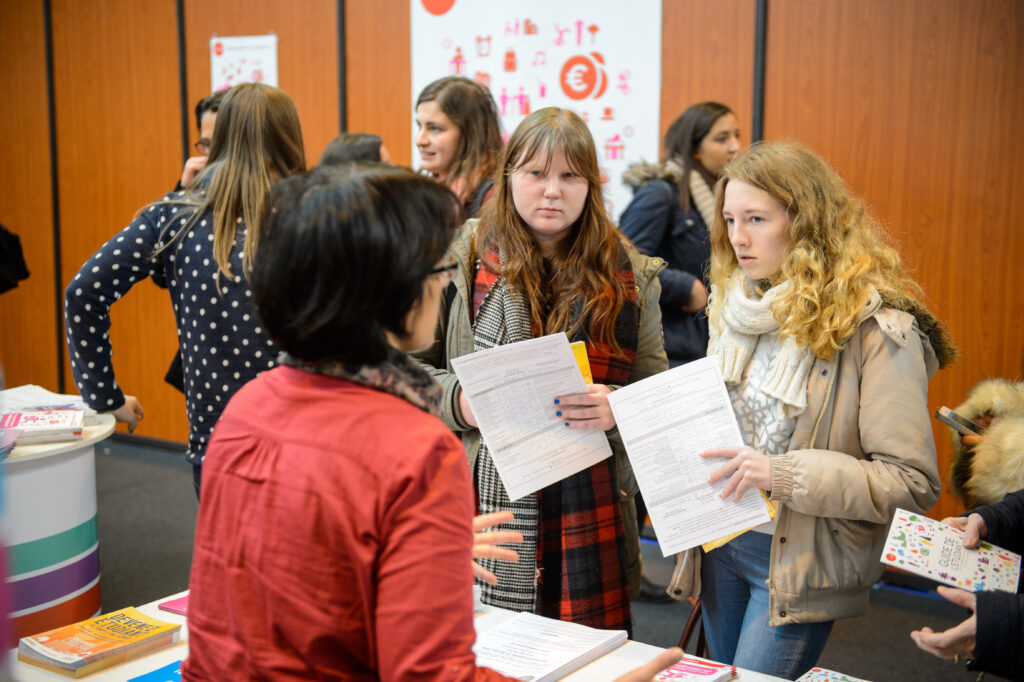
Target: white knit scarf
(733,339)
(701,194)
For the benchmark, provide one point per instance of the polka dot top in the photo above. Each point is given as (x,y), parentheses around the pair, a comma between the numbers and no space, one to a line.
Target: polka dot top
(222,343)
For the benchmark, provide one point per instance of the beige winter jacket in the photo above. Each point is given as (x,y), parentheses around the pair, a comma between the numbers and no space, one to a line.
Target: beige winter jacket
(455,339)
(862,448)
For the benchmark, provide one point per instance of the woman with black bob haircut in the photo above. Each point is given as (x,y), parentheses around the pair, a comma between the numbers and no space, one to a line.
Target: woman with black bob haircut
(330,478)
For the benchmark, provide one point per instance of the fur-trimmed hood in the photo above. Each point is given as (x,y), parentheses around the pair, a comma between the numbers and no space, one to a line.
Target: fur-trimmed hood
(641,173)
(942,343)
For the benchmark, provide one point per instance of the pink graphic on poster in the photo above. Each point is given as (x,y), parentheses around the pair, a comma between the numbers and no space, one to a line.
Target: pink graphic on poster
(592,58)
(242,59)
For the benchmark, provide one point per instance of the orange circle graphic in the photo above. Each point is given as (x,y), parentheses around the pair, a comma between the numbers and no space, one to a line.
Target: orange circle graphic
(438,7)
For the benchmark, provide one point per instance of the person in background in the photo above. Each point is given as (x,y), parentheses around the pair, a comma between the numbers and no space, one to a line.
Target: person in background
(334,539)
(826,352)
(355,147)
(458,136)
(206,119)
(544,258)
(992,638)
(672,210)
(203,240)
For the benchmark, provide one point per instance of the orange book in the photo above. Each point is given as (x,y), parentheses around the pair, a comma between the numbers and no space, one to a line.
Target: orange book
(82,648)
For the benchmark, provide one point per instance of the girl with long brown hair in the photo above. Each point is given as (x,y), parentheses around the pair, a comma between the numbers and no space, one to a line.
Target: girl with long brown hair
(202,241)
(544,258)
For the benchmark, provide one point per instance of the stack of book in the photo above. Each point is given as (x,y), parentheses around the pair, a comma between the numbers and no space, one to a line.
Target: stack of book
(43,426)
(90,645)
(532,647)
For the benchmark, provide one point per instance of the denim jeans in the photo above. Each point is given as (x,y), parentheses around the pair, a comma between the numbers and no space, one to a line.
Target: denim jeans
(734,594)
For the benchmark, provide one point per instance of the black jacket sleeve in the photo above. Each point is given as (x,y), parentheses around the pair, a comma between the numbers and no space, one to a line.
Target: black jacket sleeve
(999,645)
(1004,522)
(645,222)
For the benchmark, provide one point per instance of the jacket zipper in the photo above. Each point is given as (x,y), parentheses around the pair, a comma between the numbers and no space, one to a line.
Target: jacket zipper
(814,434)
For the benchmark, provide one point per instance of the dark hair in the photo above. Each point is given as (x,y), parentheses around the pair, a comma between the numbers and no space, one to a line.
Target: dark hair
(209,104)
(352,147)
(471,108)
(683,138)
(345,256)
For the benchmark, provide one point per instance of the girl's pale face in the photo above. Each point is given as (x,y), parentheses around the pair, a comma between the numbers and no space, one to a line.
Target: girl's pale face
(437,140)
(720,145)
(758,229)
(549,202)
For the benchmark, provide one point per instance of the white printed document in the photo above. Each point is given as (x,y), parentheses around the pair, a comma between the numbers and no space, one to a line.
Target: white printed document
(532,647)
(666,421)
(511,390)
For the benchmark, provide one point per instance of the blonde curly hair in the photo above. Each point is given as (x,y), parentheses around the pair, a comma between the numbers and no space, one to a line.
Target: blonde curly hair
(837,251)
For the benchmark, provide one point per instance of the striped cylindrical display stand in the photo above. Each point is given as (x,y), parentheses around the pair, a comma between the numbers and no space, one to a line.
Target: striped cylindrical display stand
(52,548)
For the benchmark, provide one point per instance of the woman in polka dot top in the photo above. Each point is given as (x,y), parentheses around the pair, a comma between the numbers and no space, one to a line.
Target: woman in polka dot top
(202,240)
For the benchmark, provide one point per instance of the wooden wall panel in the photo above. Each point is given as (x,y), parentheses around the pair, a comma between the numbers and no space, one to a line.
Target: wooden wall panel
(707,53)
(28,340)
(307,56)
(917,104)
(119,147)
(378,73)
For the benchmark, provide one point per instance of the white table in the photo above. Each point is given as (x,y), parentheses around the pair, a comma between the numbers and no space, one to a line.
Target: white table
(50,530)
(627,657)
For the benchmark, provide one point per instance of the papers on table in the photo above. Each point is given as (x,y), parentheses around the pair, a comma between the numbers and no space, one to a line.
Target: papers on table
(934,550)
(511,390)
(532,647)
(32,397)
(666,421)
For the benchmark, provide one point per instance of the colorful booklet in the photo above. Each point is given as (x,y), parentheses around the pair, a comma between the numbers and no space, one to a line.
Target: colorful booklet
(44,426)
(825,675)
(697,670)
(90,645)
(934,550)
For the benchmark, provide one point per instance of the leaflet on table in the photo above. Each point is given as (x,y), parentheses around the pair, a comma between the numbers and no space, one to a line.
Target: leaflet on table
(32,397)
(168,673)
(692,669)
(666,421)
(511,390)
(532,647)
(826,675)
(934,550)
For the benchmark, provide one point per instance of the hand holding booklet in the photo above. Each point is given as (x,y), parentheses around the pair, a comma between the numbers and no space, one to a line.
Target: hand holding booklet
(511,390)
(934,550)
(666,421)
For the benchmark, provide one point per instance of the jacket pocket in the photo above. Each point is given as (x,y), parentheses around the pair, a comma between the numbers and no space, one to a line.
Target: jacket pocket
(854,543)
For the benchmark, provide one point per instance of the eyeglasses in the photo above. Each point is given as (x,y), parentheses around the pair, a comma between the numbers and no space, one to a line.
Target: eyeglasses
(203,146)
(445,272)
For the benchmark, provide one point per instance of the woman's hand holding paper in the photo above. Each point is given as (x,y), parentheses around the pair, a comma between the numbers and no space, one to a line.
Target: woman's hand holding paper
(746,468)
(588,410)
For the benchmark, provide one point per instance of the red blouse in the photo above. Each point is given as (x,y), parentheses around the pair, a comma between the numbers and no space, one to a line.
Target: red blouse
(334,539)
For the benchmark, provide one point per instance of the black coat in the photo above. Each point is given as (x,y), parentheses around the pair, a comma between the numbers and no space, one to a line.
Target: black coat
(999,644)
(658,225)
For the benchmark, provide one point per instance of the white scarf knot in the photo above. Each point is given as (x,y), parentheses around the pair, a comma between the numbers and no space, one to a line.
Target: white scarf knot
(733,343)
